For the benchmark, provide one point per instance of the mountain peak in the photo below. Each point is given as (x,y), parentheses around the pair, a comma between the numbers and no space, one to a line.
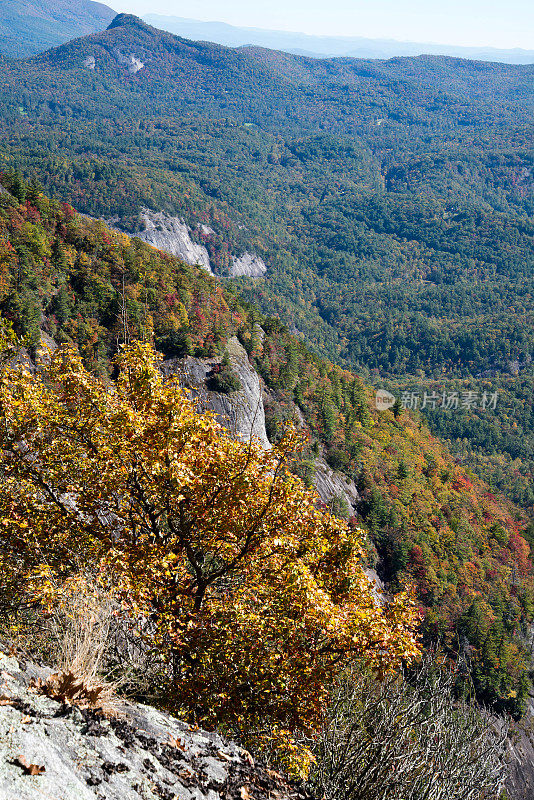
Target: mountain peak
(128,21)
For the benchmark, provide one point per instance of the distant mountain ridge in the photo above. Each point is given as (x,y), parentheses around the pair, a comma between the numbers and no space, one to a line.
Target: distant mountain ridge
(327,46)
(266,85)
(28,27)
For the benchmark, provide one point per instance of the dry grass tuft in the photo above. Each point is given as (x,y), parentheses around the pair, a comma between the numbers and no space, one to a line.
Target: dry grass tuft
(82,629)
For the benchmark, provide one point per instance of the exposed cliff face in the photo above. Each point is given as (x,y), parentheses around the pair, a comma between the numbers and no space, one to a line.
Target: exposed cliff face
(50,750)
(248,266)
(520,783)
(242,412)
(129,61)
(173,236)
(331,484)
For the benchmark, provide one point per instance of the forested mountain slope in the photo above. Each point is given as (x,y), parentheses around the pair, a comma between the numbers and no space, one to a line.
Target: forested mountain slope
(28,27)
(392,202)
(429,520)
(335,94)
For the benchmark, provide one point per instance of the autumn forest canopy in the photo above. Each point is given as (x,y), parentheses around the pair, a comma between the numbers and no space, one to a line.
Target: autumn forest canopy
(247,582)
(392,203)
(428,521)
(391,200)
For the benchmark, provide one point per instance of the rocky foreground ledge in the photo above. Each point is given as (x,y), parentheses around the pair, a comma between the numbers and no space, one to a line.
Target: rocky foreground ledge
(53,751)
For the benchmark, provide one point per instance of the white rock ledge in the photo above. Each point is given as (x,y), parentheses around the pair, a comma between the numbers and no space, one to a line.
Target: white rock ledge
(172,235)
(248,265)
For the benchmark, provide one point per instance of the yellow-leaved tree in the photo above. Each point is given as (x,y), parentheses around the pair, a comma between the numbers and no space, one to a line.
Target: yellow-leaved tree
(255,594)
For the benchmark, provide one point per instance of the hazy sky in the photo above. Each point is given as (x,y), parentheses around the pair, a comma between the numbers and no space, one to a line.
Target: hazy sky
(496,23)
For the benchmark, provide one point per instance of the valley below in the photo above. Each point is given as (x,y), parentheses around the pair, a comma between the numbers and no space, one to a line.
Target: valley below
(211,260)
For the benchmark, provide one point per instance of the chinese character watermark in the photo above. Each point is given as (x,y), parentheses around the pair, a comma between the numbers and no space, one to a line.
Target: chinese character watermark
(445,401)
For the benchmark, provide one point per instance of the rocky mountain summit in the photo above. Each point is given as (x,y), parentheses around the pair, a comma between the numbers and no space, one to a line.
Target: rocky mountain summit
(50,749)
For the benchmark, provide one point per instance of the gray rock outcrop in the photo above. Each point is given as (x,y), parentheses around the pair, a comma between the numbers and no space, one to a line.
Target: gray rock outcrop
(241,412)
(173,236)
(377,586)
(248,265)
(130,61)
(53,751)
(520,783)
(329,484)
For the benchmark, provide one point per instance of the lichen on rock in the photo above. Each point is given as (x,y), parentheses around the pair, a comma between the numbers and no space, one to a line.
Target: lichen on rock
(50,750)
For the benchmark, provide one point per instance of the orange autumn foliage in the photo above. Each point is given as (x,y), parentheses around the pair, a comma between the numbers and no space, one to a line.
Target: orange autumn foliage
(255,592)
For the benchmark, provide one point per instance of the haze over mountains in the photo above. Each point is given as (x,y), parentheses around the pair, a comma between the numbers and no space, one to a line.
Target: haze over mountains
(326,46)
(280,91)
(28,27)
